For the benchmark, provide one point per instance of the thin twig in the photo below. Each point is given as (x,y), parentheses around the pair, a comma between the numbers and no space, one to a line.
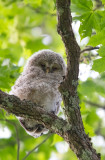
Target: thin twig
(89,49)
(98,130)
(37,146)
(18,142)
(39,11)
(17,136)
(94,104)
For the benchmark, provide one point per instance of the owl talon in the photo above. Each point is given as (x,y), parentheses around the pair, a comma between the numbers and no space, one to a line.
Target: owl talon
(53,112)
(63,77)
(40,127)
(30,129)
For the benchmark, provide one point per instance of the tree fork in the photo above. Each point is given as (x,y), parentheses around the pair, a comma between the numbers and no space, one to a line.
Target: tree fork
(79,142)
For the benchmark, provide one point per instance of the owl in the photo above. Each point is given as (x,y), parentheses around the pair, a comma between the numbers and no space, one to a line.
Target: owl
(39,82)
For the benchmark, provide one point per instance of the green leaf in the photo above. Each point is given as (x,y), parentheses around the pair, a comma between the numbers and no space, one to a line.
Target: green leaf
(101,51)
(86,25)
(56,139)
(103,1)
(88,129)
(33,2)
(99,65)
(8,75)
(97,39)
(90,87)
(92,117)
(13,52)
(89,21)
(96,20)
(81,6)
(35,45)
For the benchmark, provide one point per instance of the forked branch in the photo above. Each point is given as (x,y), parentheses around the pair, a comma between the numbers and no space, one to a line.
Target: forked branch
(79,142)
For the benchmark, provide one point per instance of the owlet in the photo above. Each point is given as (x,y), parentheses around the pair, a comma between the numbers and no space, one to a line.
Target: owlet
(39,82)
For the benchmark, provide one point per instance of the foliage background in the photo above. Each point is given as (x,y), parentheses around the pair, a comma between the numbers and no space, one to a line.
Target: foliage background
(27,26)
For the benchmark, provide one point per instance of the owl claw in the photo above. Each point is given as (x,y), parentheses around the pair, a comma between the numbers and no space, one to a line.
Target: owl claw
(63,77)
(53,112)
(39,128)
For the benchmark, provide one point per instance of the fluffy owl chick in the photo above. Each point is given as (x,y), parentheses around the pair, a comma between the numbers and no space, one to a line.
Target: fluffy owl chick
(39,82)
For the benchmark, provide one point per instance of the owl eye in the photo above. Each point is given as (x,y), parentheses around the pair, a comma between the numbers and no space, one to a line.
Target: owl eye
(42,65)
(54,68)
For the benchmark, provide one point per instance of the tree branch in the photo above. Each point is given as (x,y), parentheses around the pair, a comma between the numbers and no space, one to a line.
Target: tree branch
(79,142)
(95,104)
(89,49)
(13,104)
(37,146)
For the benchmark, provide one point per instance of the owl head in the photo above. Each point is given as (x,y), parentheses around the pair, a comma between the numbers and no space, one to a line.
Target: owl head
(47,64)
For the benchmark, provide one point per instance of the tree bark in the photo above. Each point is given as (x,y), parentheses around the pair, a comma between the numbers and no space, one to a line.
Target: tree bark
(71,130)
(78,140)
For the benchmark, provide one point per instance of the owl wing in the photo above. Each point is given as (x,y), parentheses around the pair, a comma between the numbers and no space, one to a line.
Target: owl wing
(24,88)
(58,101)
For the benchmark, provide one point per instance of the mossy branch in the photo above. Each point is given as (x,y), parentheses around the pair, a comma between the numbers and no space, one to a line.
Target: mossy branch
(79,142)
(27,109)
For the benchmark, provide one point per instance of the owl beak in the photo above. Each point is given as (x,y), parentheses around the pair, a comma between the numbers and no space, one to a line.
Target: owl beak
(47,70)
